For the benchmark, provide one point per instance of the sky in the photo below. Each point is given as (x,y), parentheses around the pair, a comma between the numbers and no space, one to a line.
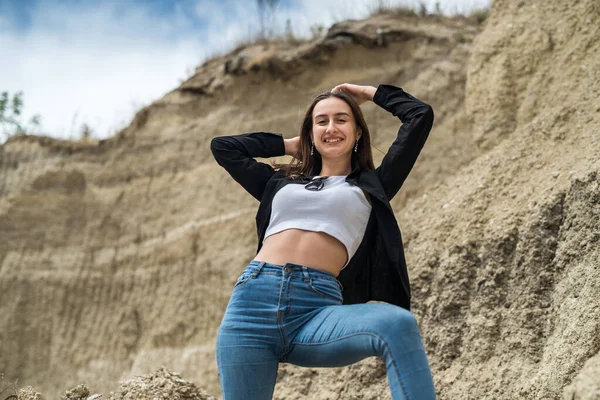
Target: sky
(97,62)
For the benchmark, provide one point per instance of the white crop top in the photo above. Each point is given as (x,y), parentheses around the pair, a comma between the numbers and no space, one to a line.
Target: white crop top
(338,209)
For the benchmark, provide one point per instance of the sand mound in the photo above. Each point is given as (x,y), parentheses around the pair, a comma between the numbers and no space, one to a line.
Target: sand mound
(161,385)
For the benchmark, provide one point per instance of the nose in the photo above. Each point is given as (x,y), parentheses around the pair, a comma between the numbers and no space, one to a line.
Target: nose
(330,127)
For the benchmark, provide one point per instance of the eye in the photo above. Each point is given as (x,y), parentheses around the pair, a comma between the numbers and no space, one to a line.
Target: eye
(341,120)
(321,122)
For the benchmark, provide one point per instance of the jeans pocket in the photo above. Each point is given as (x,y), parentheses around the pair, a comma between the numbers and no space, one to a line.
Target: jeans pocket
(326,288)
(243,279)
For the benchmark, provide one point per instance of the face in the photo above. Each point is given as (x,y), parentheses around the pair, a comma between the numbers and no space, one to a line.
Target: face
(333,128)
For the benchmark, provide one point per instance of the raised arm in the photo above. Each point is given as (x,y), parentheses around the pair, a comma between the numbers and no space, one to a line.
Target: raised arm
(417,120)
(236,154)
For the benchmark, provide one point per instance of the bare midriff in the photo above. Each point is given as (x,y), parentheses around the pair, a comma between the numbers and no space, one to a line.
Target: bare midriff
(313,249)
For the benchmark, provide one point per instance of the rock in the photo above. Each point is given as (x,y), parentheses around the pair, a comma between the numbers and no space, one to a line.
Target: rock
(28,393)
(163,384)
(79,392)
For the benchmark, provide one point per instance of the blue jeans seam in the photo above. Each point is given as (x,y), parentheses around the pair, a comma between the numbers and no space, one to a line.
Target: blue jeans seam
(280,314)
(363,333)
(291,299)
(286,346)
(262,273)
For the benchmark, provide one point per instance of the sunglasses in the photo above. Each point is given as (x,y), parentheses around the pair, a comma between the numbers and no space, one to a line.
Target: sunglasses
(316,184)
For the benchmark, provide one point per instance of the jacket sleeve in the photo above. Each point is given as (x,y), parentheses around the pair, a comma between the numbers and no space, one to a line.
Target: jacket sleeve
(417,119)
(236,154)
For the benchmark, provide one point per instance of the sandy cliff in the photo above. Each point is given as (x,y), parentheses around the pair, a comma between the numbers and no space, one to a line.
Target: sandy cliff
(119,257)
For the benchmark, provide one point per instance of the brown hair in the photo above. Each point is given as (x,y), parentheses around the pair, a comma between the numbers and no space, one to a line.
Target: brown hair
(303,164)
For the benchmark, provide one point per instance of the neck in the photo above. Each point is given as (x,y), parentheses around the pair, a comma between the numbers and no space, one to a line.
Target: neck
(335,167)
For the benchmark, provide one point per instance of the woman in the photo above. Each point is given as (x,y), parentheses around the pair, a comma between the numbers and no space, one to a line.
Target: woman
(328,243)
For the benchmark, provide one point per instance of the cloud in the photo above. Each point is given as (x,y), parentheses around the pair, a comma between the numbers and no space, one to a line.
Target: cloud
(96,63)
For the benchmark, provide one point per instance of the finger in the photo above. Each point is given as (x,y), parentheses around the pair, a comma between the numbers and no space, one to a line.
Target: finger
(341,87)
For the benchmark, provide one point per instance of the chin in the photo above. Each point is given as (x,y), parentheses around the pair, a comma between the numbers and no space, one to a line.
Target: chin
(336,154)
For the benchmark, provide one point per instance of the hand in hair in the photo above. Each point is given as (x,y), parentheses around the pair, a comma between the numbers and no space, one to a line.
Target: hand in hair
(360,94)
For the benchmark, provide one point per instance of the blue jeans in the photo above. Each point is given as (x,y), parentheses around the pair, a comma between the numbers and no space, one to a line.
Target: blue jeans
(294,314)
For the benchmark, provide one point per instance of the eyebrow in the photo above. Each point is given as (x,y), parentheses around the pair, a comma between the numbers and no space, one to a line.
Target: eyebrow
(336,114)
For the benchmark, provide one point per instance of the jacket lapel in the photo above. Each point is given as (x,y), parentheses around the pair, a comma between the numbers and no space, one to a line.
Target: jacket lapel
(367,180)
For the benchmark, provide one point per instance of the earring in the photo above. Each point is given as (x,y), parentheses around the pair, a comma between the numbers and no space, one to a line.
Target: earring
(312,149)
(356,147)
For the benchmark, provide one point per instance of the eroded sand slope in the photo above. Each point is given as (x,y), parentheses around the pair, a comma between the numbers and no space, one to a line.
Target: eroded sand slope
(119,257)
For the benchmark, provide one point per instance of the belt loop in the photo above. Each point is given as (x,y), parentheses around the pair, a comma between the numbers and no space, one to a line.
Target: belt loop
(258,268)
(305,273)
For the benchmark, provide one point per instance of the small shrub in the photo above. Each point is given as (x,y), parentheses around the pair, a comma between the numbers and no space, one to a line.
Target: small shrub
(317,31)
(480,14)
(383,7)
(11,121)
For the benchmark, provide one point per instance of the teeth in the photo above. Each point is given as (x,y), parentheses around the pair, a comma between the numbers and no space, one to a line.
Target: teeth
(332,140)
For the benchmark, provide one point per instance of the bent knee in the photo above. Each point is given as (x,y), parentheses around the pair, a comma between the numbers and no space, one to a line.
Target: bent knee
(395,319)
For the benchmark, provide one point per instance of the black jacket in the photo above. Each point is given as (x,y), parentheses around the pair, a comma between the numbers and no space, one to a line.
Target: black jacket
(377,271)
